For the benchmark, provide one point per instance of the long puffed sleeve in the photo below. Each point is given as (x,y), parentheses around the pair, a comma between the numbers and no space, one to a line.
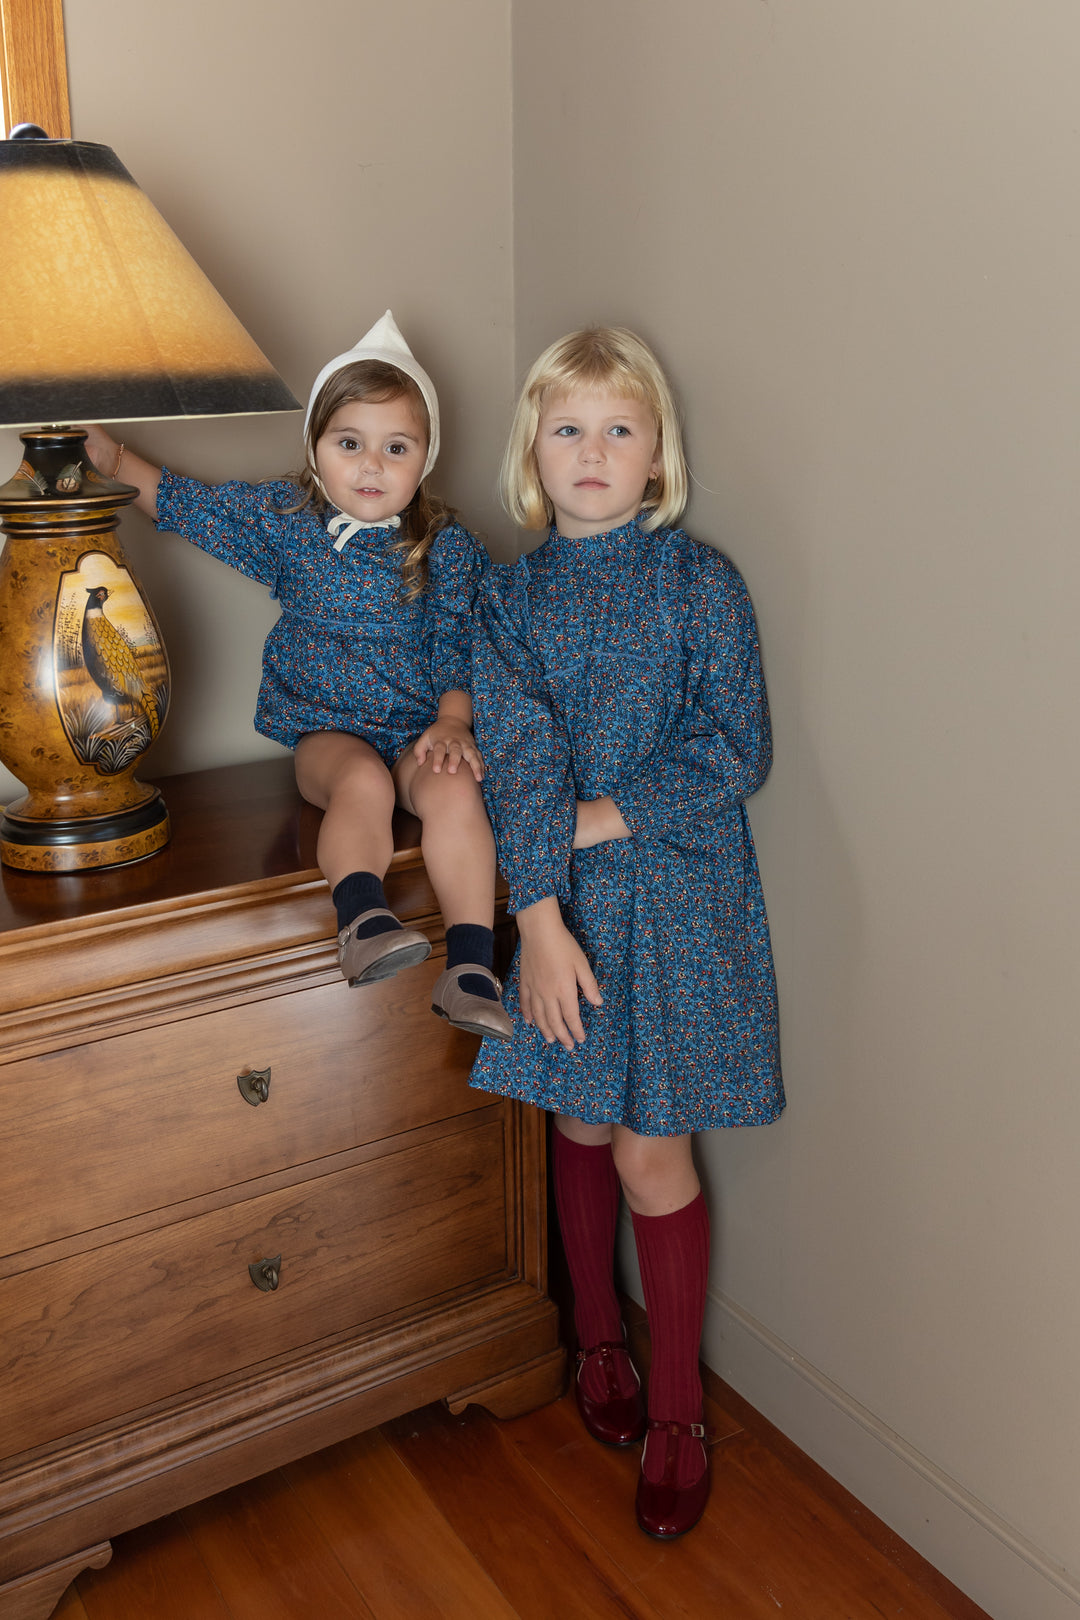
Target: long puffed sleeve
(234,522)
(720,750)
(528,784)
(457,564)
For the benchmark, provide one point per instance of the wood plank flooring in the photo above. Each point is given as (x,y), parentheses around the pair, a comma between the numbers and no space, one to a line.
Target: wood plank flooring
(466,1518)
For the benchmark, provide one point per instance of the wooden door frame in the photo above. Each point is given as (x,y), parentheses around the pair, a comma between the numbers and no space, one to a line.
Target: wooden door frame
(33,66)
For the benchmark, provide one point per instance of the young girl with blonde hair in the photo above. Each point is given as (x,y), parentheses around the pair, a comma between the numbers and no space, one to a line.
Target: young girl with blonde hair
(366,672)
(622,715)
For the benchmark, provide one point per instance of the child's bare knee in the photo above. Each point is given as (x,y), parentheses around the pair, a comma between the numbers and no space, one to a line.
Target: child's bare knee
(444,792)
(366,780)
(645,1163)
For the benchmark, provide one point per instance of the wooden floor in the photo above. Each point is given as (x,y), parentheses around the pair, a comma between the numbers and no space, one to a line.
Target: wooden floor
(465,1518)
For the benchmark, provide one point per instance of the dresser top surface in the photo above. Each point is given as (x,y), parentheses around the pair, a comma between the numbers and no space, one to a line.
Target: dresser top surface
(232,825)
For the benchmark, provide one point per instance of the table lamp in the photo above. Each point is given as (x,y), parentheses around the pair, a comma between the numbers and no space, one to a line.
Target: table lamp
(104,317)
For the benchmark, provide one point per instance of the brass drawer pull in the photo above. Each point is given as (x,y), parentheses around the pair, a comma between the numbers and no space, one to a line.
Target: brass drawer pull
(266,1274)
(254,1086)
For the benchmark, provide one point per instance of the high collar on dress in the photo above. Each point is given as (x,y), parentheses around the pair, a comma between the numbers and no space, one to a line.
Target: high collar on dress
(607,539)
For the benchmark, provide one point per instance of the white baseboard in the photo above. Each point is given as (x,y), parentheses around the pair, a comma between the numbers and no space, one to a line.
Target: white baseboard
(1000,1569)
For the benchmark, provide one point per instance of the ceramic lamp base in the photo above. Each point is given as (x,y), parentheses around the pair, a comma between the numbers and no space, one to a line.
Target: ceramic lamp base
(91,841)
(84,679)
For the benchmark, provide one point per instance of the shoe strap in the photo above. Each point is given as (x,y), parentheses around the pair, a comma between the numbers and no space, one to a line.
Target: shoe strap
(606,1351)
(672,1432)
(475,967)
(692,1431)
(362,917)
(597,1349)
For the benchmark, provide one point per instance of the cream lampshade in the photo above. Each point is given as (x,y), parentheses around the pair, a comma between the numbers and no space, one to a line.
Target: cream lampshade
(104,317)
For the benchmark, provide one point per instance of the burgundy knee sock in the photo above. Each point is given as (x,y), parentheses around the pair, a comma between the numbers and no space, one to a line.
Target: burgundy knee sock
(673,1251)
(587,1193)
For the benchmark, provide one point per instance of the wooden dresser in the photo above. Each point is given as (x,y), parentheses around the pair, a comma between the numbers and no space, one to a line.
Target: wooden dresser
(244,1210)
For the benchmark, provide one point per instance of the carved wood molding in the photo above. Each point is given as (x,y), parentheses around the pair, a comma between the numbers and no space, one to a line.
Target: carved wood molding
(505,1322)
(33,66)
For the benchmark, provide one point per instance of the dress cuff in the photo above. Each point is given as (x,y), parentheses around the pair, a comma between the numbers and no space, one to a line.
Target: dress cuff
(530,891)
(526,888)
(633,805)
(165,491)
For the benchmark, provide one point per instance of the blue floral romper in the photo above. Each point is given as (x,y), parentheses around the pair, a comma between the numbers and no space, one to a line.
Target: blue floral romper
(347,653)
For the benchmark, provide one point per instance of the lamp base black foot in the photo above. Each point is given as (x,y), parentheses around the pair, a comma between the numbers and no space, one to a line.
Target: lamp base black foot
(86,842)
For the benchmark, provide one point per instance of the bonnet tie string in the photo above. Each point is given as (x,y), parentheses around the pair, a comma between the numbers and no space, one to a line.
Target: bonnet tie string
(345,527)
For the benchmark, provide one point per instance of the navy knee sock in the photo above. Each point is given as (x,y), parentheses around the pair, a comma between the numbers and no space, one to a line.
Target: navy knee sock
(468,942)
(357,893)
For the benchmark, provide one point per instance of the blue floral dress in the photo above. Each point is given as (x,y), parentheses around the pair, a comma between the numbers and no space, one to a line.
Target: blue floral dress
(626,664)
(347,653)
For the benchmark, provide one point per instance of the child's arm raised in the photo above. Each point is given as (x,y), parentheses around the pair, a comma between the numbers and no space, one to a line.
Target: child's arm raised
(234,521)
(109,458)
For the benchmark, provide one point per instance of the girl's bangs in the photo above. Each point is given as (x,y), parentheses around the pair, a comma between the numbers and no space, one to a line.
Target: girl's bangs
(596,375)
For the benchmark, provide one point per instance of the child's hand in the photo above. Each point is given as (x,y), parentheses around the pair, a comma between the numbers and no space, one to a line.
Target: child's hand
(105,454)
(598,821)
(552,971)
(102,449)
(449,742)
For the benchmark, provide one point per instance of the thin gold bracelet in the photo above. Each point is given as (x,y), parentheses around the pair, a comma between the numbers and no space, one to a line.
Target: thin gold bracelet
(119,459)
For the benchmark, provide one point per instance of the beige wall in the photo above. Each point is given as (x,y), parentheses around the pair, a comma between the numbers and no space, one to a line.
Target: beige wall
(322,161)
(849,228)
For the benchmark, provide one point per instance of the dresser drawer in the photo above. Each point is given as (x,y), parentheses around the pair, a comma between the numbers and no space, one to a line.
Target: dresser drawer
(96,1133)
(90,1338)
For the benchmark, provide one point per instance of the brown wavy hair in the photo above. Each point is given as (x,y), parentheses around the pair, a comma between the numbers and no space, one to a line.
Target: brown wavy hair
(374,382)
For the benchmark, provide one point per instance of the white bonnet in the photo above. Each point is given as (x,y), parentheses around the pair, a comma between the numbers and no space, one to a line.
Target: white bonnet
(384,342)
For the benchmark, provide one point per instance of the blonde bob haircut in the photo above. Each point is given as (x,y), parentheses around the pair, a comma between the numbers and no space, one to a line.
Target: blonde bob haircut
(596,360)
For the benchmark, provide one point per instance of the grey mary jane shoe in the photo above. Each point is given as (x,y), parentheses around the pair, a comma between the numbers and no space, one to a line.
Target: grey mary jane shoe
(477,1014)
(362,961)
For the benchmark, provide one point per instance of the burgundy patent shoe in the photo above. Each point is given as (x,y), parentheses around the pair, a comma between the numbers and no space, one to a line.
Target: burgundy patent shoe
(665,1508)
(615,1419)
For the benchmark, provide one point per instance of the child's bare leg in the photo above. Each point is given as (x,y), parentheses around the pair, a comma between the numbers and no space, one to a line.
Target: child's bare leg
(671,1230)
(459,853)
(657,1172)
(345,777)
(456,838)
